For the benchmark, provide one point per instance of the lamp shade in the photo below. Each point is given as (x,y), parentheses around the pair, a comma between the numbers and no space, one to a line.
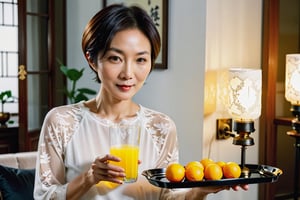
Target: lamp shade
(292,78)
(244,93)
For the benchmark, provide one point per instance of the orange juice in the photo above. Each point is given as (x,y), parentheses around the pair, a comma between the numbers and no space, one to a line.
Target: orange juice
(129,155)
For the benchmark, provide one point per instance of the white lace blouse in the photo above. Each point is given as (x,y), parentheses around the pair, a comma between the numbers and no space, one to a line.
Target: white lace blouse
(72,137)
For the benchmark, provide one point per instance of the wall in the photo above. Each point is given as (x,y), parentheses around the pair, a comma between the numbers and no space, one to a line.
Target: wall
(203,35)
(78,14)
(178,90)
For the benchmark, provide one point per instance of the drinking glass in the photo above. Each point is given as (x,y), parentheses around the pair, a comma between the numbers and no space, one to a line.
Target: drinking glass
(124,143)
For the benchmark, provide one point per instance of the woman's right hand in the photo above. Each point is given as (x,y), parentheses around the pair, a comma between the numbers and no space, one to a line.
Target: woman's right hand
(103,170)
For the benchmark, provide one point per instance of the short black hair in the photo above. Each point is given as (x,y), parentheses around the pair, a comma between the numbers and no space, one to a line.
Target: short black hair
(105,24)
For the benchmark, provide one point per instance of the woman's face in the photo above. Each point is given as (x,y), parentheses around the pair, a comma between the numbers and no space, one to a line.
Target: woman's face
(126,65)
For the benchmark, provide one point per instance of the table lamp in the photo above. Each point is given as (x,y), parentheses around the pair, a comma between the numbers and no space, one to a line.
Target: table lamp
(292,94)
(244,106)
(292,87)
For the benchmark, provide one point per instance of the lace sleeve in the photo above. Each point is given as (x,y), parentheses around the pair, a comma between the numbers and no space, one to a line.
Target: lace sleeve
(163,131)
(59,125)
(164,135)
(167,142)
(170,154)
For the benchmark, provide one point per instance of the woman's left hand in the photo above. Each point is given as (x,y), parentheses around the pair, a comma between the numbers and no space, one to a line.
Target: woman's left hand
(236,187)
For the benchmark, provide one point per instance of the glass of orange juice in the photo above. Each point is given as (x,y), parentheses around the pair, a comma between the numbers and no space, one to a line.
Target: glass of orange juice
(124,143)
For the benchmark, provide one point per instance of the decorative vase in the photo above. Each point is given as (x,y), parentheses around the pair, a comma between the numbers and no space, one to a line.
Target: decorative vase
(4,117)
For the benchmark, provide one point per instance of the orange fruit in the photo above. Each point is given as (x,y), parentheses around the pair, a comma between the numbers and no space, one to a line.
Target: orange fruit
(193,163)
(175,172)
(221,163)
(206,161)
(231,170)
(194,173)
(213,172)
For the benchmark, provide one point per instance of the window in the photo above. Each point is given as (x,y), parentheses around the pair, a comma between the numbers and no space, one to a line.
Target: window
(9,51)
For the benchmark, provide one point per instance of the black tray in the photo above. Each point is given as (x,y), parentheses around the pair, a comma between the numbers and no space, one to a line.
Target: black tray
(258,174)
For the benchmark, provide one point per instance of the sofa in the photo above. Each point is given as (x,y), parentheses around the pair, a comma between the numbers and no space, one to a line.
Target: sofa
(17,171)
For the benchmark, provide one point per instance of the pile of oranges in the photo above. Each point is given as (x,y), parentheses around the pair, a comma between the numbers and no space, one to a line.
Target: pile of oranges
(204,169)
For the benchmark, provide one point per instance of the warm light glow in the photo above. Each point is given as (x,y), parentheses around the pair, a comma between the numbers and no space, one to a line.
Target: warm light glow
(210,90)
(244,93)
(292,78)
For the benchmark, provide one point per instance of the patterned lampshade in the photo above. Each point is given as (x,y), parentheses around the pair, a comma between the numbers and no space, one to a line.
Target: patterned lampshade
(292,79)
(244,93)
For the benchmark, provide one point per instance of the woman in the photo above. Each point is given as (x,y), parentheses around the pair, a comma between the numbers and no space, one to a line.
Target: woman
(120,45)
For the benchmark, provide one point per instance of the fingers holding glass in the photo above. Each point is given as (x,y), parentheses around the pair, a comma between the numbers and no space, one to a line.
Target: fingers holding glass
(104,170)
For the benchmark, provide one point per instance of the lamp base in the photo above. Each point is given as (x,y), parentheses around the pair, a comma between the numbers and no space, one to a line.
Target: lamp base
(295,109)
(243,129)
(245,172)
(243,126)
(296,125)
(243,139)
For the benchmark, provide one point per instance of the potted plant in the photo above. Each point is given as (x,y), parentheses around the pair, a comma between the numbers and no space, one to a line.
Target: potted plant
(5,97)
(73,75)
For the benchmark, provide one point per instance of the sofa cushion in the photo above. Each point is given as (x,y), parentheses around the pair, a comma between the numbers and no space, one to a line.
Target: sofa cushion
(26,160)
(16,183)
(9,160)
(22,160)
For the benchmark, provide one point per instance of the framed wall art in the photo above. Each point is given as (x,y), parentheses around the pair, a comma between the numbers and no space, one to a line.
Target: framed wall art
(158,10)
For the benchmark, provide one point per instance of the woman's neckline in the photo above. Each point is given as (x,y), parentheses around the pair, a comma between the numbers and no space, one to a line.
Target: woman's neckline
(128,119)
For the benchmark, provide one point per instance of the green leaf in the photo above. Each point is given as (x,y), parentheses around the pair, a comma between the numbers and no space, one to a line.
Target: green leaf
(4,96)
(74,74)
(80,97)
